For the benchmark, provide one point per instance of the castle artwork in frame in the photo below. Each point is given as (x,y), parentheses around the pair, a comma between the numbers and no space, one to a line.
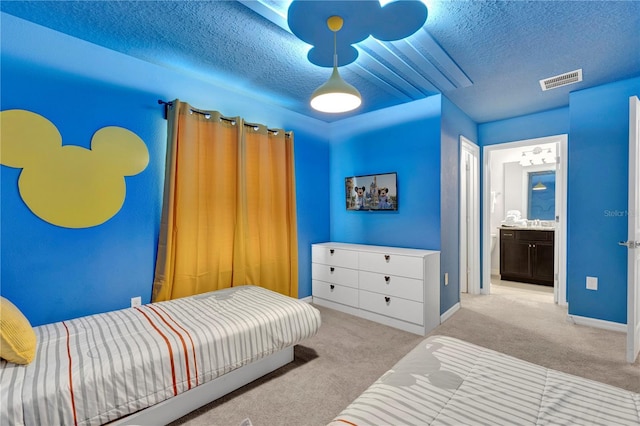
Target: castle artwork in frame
(372,192)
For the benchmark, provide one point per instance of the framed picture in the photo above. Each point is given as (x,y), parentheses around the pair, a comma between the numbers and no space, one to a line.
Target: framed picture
(372,192)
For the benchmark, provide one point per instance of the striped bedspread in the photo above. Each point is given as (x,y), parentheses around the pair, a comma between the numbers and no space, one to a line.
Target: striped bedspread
(445,381)
(95,369)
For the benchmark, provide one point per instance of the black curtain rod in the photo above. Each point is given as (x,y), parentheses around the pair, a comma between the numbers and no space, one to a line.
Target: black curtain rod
(208,115)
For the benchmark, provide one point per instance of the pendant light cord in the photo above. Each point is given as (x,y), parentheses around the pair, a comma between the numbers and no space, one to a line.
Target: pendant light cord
(335,49)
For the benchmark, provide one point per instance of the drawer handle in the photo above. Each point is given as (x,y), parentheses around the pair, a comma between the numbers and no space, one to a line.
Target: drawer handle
(331,251)
(387,299)
(331,286)
(507,235)
(332,269)
(387,278)
(387,257)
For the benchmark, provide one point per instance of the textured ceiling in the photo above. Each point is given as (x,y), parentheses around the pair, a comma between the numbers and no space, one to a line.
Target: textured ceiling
(485,56)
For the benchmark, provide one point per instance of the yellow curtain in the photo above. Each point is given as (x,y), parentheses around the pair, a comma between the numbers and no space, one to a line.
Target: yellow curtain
(228,215)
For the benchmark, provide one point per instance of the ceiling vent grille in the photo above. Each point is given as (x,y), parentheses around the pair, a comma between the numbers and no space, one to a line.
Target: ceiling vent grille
(561,80)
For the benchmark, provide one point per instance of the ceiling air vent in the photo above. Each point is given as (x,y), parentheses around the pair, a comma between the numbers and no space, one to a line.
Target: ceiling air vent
(561,80)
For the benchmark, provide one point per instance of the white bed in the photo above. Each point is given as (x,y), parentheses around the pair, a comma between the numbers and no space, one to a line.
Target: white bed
(170,356)
(445,381)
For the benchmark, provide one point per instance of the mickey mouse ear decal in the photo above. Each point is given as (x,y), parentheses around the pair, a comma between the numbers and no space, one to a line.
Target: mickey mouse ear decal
(393,21)
(68,185)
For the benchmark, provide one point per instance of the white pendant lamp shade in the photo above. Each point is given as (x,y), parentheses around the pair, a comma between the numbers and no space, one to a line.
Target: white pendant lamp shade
(336,95)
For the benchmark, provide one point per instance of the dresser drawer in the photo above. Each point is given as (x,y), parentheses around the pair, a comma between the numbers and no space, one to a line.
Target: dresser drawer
(335,293)
(335,275)
(334,257)
(392,264)
(392,285)
(392,306)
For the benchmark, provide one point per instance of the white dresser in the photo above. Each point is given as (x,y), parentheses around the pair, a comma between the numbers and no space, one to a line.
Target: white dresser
(398,287)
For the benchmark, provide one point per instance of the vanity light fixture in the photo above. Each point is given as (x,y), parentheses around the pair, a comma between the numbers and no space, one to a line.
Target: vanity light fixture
(537,156)
(336,95)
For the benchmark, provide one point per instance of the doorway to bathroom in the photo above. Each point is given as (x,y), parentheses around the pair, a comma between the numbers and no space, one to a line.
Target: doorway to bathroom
(524,196)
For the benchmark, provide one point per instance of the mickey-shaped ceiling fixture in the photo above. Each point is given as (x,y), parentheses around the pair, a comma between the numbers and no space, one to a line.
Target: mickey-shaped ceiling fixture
(314,21)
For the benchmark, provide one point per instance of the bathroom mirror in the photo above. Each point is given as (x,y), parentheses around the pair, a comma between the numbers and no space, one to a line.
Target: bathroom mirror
(541,188)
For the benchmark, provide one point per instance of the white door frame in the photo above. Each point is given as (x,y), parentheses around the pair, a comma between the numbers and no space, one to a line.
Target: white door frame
(560,281)
(469,216)
(633,233)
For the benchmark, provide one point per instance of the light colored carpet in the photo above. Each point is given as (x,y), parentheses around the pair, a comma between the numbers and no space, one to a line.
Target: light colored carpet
(348,354)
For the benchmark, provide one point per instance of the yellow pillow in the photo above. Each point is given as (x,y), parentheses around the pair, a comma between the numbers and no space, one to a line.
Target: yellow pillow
(17,338)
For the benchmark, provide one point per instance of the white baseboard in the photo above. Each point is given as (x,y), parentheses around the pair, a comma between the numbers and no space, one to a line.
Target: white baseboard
(597,323)
(452,310)
(307,299)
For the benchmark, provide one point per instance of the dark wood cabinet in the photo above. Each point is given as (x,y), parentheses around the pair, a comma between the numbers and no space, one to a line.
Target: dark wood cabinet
(527,256)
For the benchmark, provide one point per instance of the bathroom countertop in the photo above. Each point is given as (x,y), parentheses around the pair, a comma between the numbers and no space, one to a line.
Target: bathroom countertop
(528,228)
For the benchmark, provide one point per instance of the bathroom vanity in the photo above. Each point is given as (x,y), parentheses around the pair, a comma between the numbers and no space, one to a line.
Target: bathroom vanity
(526,255)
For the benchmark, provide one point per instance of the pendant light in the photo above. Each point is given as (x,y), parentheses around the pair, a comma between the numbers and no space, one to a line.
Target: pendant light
(336,95)
(539,187)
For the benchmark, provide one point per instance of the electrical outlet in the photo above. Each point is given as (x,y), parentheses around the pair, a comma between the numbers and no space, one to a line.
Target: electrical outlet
(446,278)
(592,283)
(136,301)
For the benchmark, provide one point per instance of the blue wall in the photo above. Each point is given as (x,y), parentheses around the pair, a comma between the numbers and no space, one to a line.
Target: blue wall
(547,123)
(598,190)
(52,272)
(312,174)
(391,140)
(421,142)
(597,121)
(455,123)
(55,273)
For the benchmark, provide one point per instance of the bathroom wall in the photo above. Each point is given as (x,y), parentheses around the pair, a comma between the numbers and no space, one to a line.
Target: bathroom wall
(514,198)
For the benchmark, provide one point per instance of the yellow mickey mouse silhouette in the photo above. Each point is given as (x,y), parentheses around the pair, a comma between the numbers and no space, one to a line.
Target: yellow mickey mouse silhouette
(69,185)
